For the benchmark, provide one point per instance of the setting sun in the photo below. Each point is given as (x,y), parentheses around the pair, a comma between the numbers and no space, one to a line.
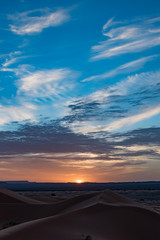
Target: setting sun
(79,181)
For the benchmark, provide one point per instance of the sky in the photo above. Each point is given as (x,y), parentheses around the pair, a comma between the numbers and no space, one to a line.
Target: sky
(80,90)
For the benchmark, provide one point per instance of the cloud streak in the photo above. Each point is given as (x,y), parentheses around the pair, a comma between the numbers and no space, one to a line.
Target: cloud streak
(17,113)
(12,58)
(27,23)
(42,83)
(37,93)
(130,101)
(126,121)
(125,37)
(46,83)
(125,68)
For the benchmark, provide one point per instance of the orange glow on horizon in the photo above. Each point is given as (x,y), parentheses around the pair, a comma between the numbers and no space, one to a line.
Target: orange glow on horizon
(79,181)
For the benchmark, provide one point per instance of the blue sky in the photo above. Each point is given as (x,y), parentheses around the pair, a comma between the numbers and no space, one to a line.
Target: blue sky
(80,90)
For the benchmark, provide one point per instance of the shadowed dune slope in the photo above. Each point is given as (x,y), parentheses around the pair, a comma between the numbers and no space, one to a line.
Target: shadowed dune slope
(100,221)
(7,196)
(17,212)
(48,199)
(107,197)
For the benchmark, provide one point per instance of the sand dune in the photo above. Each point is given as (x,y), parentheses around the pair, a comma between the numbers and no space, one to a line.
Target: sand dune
(100,221)
(101,215)
(7,196)
(16,212)
(86,200)
(44,198)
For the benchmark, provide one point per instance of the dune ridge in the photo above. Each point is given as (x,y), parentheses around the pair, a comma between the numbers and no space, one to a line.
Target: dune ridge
(18,213)
(7,196)
(102,215)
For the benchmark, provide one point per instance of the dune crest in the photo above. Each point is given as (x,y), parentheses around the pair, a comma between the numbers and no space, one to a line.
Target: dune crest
(7,196)
(101,215)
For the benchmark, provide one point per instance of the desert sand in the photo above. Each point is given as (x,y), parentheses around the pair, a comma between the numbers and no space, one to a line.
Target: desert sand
(102,215)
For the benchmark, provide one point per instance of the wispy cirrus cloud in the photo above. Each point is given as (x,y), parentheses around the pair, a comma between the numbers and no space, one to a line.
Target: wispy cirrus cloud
(142,137)
(42,83)
(33,22)
(140,148)
(17,113)
(126,121)
(127,37)
(12,58)
(37,92)
(148,113)
(145,83)
(125,103)
(46,83)
(125,68)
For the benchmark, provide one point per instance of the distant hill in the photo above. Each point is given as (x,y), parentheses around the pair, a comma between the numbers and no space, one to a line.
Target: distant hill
(87,186)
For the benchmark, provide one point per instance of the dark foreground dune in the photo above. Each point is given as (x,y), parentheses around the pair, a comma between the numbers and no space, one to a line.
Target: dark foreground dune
(102,216)
(7,196)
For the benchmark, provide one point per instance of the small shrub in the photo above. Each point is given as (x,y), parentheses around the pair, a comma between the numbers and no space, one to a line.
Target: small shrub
(88,237)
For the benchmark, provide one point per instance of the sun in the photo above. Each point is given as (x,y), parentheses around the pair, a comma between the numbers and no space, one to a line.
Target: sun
(79,181)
